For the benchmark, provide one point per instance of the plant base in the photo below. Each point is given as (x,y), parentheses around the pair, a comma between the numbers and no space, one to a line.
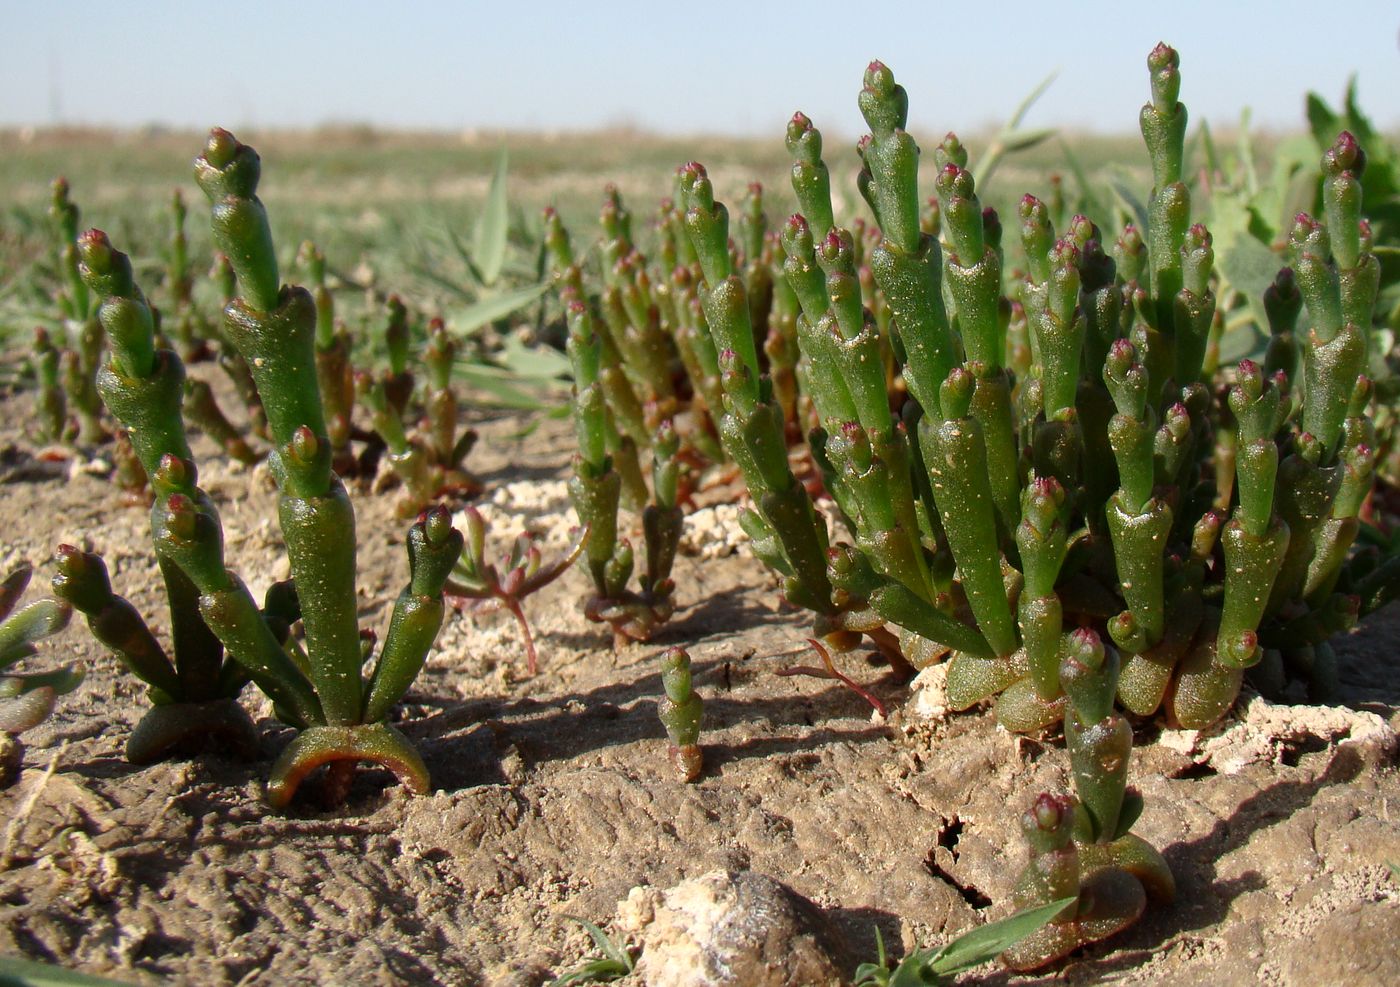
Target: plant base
(220,724)
(327,745)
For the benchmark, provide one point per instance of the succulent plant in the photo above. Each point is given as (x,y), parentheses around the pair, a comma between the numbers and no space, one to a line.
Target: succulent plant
(1111,488)
(479,585)
(596,490)
(681,712)
(78,361)
(194,696)
(341,713)
(26,699)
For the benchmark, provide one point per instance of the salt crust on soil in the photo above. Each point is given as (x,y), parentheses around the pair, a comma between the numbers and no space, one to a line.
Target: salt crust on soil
(554,796)
(729,930)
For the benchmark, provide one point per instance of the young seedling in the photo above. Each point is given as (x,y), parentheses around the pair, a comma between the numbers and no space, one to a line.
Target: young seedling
(1083,846)
(967,952)
(334,372)
(681,712)
(52,402)
(616,961)
(180,313)
(476,580)
(80,360)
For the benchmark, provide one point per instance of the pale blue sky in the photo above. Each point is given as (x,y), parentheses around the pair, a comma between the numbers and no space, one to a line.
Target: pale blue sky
(718,67)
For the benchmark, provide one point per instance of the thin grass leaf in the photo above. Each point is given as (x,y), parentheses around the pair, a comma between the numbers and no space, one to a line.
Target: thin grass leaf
(426,270)
(606,946)
(1212,156)
(1031,98)
(466,255)
(1245,150)
(987,942)
(549,415)
(543,362)
(464,321)
(490,237)
(875,974)
(1127,199)
(615,963)
(1086,191)
(505,389)
(1024,140)
(1011,138)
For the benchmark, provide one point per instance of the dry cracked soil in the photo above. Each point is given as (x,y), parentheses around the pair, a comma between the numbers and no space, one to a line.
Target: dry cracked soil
(554,797)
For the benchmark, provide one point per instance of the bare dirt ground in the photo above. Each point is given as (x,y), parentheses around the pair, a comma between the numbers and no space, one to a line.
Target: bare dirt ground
(554,796)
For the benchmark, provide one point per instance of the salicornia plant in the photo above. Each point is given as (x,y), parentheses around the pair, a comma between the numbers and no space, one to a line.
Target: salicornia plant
(681,712)
(1030,467)
(27,699)
(596,489)
(80,358)
(194,696)
(342,712)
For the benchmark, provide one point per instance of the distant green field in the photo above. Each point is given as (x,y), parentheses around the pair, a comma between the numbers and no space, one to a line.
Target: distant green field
(385,207)
(388,200)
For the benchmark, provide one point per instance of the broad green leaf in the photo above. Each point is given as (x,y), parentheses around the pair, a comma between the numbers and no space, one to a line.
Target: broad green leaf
(913,970)
(989,941)
(1322,121)
(464,321)
(489,241)
(1246,342)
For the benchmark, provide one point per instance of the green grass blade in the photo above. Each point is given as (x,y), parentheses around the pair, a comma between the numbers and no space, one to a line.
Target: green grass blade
(989,941)
(1011,138)
(506,390)
(464,321)
(489,242)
